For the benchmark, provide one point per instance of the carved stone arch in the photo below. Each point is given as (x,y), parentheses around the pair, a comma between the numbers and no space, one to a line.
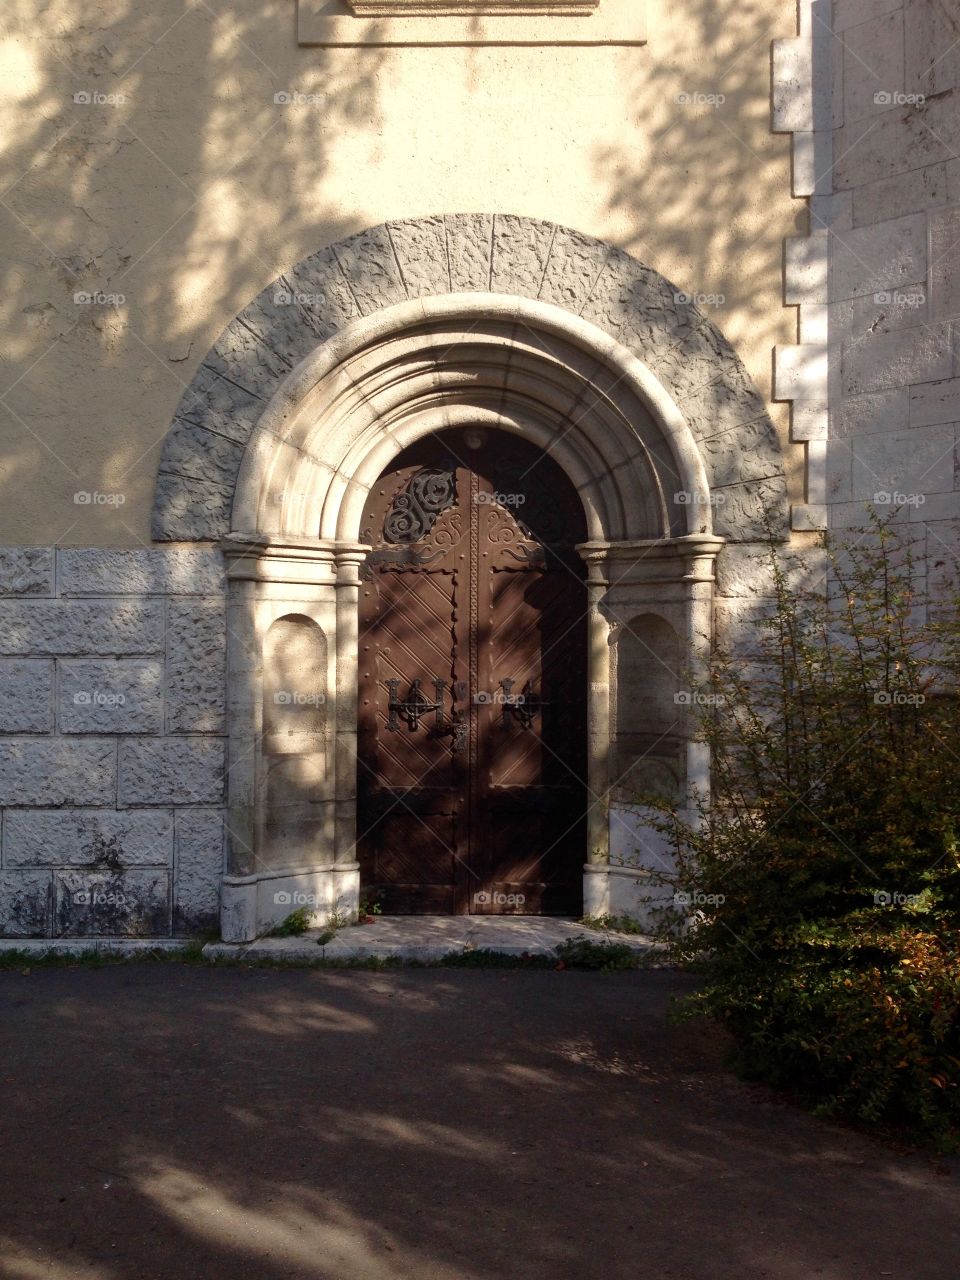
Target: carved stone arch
(412,328)
(510,257)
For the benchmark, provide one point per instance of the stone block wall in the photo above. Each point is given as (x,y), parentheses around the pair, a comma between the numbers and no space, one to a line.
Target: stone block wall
(894,281)
(112,741)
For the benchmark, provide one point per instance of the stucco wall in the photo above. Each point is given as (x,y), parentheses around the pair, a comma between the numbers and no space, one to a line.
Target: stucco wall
(195,190)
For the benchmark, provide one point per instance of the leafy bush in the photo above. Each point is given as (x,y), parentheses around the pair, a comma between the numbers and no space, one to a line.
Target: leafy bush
(819,893)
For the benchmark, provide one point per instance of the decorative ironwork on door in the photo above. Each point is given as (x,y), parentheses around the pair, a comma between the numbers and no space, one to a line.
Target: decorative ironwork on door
(471,758)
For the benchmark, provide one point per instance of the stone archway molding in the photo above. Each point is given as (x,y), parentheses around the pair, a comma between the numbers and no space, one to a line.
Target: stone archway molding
(515,258)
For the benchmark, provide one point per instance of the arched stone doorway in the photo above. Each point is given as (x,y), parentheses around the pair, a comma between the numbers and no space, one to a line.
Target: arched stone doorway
(471,763)
(317,409)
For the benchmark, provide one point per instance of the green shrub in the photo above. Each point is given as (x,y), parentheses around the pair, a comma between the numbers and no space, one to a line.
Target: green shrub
(293,925)
(819,893)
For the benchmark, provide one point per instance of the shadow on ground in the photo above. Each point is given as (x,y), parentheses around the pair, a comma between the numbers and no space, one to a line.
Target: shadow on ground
(175,1122)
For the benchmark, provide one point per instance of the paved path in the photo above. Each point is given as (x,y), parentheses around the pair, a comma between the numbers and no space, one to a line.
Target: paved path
(168,1122)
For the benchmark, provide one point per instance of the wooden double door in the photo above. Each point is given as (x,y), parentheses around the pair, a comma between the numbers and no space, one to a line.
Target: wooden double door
(472,687)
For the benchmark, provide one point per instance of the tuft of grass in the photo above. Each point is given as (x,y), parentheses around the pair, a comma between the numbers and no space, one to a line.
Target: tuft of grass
(582,952)
(296,923)
(613,924)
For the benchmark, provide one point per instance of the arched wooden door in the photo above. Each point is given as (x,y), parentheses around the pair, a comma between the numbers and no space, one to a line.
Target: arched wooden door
(472,695)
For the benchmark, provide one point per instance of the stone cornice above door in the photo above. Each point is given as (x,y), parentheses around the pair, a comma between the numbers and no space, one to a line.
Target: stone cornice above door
(355,23)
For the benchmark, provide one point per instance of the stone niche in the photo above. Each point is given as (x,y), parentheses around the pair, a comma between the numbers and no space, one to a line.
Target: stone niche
(294,742)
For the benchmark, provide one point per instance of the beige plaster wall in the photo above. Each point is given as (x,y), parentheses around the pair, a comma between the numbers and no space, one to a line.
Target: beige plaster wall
(194,190)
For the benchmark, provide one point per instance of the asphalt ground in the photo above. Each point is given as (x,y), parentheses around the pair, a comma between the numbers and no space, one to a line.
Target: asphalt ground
(187,1122)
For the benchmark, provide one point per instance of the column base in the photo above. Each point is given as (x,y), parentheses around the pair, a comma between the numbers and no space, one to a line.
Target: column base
(253,905)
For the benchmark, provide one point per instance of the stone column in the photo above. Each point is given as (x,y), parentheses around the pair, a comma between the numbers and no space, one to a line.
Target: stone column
(348,559)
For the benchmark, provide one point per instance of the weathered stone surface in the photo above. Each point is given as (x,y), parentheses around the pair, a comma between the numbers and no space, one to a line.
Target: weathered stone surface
(46,771)
(745,452)
(918,461)
(104,838)
(521,247)
(904,193)
(219,405)
(880,258)
(932,47)
(118,695)
(945,263)
(199,867)
(869,414)
(748,570)
(420,246)
(898,140)
(26,571)
(186,510)
(633,303)
(111,904)
(196,662)
(742,510)
(873,66)
(368,263)
(324,296)
(81,626)
(24,904)
(189,450)
(177,771)
(738,623)
(241,356)
(153,571)
(26,695)
(923,354)
(470,250)
(573,269)
(279,322)
(934,402)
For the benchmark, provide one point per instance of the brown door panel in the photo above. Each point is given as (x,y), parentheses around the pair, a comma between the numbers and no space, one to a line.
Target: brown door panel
(473,581)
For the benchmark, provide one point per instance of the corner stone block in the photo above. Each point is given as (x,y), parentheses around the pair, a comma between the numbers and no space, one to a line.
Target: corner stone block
(42,771)
(174,771)
(26,571)
(24,904)
(40,627)
(106,839)
(26,695)
(111,904)
(199,868)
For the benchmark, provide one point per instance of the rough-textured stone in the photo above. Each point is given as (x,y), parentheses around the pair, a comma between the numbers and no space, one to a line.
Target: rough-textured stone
(154,571)
(111,904)
(420,246)
(24,904)
(177,771)
(26,695)
(196,661)
(189,450)
(745,452)
(26,571)
(898,140)
(633,303)
(370,266)
(107,626)
(104,838)
(46,771)
(747,570)
(873,66)
(573,269)
(470,250)
(743,513)
(186,510)
(118,695)
(219,405)
(199,868)
(326,302)
(241,356)
(521,247)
